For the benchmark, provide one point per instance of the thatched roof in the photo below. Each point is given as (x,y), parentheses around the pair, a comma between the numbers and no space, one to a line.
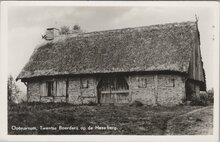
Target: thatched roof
(164,47)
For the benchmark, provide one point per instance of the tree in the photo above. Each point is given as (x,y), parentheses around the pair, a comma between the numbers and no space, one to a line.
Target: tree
(76,27)
(13,90)
(211,91)
(64,30)
(9,85)
(211,94)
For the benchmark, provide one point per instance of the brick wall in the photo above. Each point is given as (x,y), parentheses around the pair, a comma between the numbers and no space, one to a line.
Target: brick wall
(149,89)
(171,90)
(157,89)
(33,92)
(142,89)
(82,90)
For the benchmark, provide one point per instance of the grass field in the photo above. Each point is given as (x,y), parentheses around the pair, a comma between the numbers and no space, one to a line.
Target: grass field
(200,122)
(102,120)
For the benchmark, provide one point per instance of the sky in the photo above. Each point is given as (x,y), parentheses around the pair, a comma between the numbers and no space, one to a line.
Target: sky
(26,23)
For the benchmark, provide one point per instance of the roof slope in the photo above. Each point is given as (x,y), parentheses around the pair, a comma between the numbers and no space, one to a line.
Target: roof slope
(151,48)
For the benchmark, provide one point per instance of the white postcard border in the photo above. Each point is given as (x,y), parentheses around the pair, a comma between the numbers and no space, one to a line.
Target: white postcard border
(4,74)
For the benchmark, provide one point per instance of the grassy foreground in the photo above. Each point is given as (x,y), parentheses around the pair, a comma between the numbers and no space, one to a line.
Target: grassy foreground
(62,119)
(199,122)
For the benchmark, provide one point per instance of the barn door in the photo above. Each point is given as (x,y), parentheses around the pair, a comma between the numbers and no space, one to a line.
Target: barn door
(113,89)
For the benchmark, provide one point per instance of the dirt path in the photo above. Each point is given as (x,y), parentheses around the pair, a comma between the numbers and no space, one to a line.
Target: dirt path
(196,122)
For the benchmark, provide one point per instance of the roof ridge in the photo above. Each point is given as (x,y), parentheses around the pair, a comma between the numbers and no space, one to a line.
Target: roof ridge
(149,26)
(92,33)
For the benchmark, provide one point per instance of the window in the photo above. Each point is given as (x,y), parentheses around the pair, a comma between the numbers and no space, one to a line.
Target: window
(84,83)
(170,82)
(173,81)
(142,82)
(49,88)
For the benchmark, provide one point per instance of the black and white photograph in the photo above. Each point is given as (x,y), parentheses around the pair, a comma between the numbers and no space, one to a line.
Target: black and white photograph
(110,68)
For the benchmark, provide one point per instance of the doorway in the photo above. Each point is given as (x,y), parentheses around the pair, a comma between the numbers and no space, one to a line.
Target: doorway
(113,89)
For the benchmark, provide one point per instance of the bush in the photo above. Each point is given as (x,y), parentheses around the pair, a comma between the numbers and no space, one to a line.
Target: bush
(91,103)
(136,104)
(204,100)
(211,95)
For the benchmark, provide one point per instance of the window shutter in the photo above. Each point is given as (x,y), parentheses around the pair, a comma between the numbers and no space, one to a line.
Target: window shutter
(61,88)
(43,89)
(85,83)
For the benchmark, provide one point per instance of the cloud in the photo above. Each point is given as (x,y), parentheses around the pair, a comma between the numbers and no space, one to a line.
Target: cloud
(90,18)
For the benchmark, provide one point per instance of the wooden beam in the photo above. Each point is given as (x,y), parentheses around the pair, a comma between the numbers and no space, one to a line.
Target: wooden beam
(67,88)
(156,88)
(129,87)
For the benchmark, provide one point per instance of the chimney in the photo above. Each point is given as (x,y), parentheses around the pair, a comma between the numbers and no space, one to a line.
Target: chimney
(51,33)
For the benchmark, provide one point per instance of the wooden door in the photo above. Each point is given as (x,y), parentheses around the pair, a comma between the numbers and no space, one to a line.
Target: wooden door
(113,89)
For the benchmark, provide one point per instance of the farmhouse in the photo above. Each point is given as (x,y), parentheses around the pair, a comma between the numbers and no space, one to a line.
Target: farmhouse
(156,65)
